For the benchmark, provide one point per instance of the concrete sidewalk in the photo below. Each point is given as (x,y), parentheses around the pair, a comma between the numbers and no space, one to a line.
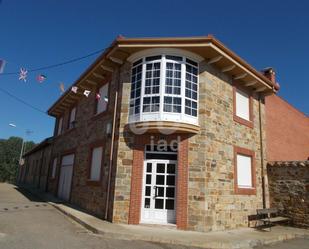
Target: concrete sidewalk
(237,238)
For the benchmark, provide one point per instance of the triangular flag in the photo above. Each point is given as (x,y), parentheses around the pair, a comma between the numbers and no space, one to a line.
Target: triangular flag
(23,74)
(74,89)
(2,65)
(86,93)
(98,96)
(40,78)
(61,86)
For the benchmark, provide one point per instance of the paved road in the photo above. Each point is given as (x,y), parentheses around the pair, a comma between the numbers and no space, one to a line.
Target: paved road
(27,223)
(290,244)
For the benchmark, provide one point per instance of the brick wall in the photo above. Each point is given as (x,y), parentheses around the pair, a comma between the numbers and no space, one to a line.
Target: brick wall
(289,190)
(287,131)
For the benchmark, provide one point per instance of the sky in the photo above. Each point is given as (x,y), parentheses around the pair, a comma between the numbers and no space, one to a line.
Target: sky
(37,33)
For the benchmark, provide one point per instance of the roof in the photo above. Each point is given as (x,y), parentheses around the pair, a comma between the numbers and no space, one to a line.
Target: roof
(211,49)
(46,142)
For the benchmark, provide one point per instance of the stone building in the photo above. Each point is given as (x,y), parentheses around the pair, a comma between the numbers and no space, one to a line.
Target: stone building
(164,131)
(34,171)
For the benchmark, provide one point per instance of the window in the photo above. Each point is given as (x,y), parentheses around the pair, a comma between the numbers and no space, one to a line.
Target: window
(72,118)
(96,161)
(164,87)
(244,171)
(242,107)
(103,100)
(59,130)
(54,168)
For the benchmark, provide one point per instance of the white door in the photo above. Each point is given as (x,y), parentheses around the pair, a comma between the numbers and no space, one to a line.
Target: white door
(65,178)
(159,192)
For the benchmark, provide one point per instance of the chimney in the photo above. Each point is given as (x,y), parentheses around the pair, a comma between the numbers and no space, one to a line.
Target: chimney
(270,73)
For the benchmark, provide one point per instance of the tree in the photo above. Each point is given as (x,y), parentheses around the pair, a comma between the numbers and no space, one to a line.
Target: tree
(9,157)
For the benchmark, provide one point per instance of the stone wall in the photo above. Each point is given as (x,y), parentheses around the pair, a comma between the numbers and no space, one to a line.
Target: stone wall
(289,190)
(212,202)
(89,129)
(35,170)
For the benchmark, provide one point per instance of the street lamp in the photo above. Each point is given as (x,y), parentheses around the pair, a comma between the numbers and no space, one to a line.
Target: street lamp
(23,145)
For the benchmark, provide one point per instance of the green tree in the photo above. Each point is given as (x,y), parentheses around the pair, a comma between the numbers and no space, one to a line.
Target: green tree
(9,157)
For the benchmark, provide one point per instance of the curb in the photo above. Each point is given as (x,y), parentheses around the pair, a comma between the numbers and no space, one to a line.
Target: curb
(122,235)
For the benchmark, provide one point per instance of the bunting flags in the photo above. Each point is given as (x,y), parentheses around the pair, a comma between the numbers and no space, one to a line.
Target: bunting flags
(40,78)
(98,96)
(2,65)
(86,93)
(61,86)
(74,89)
(23,74)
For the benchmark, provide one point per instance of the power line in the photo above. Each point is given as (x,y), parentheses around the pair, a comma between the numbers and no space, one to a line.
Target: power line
(22,101)
(58,64)
(44,68)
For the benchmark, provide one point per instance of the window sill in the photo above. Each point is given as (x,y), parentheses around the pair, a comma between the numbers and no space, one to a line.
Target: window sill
(248,123)
(93,183)
(245,191)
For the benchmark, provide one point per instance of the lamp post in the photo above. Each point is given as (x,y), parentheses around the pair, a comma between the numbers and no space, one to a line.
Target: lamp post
(23,146)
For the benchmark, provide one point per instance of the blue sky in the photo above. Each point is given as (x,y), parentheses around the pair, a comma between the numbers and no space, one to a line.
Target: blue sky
(39,33)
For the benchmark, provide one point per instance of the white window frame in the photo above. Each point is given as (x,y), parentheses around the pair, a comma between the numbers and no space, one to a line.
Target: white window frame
(242,105)
(161,115)
(101,102)
(244,171)
(60,124)
(54,168)
(96,176)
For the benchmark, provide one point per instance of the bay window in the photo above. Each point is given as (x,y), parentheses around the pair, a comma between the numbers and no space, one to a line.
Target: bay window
(164,87)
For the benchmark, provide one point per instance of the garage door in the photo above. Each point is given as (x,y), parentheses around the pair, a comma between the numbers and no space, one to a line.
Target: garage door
(65,179)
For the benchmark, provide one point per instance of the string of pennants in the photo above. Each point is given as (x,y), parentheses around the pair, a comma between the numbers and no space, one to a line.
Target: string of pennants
(40,78)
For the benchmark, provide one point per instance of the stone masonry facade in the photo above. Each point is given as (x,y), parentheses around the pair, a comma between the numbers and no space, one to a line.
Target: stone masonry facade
(212,202)
(289,190)
(207,197)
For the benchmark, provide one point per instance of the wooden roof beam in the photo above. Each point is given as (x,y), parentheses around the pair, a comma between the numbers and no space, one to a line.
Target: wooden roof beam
(106,68)
(99,76)
(215,59)
(240,76)
(251,83)
(116,60)
(228,68)
(261,89)
(91,82)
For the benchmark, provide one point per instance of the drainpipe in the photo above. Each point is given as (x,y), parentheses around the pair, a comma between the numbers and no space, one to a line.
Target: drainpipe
(111,154)
(262,151)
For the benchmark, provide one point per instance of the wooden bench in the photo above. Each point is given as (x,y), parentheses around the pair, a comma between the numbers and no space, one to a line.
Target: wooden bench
(268,217)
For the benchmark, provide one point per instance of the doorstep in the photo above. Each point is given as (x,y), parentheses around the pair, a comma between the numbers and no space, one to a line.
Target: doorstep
(237,238)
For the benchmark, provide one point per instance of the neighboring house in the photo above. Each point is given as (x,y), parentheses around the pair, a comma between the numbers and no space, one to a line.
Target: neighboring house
(287,131)
(35,169)
(193,95)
